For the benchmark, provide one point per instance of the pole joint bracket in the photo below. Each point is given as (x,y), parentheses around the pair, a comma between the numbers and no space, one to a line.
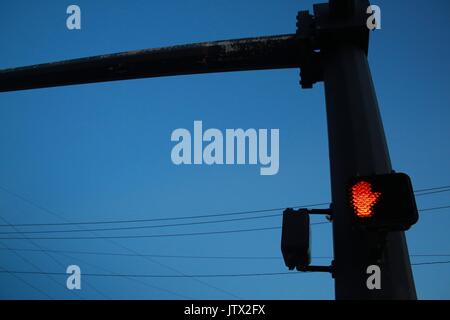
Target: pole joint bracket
(332,24)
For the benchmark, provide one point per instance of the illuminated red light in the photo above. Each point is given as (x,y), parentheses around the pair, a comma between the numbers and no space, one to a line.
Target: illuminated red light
(363,199)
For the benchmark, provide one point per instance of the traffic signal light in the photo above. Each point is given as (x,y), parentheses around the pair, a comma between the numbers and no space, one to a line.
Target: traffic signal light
(383,202)
(295,239)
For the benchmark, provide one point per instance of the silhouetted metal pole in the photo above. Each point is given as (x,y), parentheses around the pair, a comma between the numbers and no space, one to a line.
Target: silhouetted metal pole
(338,39)
(357,146)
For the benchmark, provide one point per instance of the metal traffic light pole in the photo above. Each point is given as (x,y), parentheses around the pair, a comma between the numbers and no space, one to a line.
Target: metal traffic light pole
(357,146)
(329,46)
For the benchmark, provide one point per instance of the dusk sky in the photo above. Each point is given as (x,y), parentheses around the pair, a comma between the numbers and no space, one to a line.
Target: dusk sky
(102,152)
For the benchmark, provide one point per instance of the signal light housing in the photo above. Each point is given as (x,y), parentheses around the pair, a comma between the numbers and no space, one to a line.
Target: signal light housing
(383,202)
(295,239)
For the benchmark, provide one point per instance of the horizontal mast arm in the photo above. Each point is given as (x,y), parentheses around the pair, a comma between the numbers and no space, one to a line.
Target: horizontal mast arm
(273,52)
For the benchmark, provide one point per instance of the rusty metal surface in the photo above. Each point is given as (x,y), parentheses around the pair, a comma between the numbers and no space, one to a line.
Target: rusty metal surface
(272,52)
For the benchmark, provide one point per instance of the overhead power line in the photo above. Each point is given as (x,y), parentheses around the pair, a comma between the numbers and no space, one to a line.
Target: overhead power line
(94,222)
(144,236)
(157,275)
(144,227)
(151,235)
(202,257)
(230,275)
(53,213)
(432,192)
(173,234)
(431,189)
(162,225)
(57,261)
(29,284)
(429,263)
(434,208)
(160,219)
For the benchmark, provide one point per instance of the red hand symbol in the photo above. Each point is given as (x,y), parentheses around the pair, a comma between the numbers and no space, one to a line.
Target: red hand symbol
(363,199)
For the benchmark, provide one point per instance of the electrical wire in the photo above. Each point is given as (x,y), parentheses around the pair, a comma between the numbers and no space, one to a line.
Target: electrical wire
(51,212)
(179,218)
(163,225)
(21,279)
(144,227)
(419,192)
(429,263)
(229,275)
(153,235)
(203,257)
(432,192)
(431,189)
(177,234)
(156,275)
(37,245)
(164,219)
(146,236)
(434,208)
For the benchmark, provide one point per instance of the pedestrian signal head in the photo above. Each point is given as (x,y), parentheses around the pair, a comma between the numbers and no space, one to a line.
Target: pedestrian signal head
(383,202)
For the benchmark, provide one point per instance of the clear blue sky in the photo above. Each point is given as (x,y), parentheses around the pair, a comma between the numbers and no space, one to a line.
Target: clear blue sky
(102,151)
